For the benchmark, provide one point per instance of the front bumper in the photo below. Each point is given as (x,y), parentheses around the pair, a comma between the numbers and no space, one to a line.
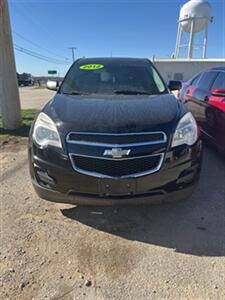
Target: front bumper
(157,197)
(175,181)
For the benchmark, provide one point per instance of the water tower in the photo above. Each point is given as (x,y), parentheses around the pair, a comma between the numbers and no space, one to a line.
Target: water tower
(195,16)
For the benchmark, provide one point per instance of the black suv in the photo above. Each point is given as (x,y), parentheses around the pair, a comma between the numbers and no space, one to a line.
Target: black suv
(114,134)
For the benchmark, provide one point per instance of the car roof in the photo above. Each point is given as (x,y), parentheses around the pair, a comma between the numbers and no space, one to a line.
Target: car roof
(95,60)
(217,69)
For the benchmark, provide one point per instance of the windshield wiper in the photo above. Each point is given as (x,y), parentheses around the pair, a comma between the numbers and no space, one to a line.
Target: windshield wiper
(75,93)
(127,92)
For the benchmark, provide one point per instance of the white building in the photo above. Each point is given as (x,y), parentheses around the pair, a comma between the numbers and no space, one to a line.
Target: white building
(183,69)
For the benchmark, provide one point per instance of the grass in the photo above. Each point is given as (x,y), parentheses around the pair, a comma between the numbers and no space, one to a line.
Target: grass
(28,116)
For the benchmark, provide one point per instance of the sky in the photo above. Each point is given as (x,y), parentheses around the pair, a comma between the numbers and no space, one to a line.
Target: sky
(134,28)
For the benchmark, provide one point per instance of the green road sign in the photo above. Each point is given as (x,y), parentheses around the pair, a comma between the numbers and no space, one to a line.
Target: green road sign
(52,72)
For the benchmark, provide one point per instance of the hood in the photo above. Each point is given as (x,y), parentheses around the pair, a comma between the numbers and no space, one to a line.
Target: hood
(115,114)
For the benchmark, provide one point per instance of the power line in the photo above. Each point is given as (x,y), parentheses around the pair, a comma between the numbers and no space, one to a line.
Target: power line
(30,20)
(38,46)
(42,28)
(38,55)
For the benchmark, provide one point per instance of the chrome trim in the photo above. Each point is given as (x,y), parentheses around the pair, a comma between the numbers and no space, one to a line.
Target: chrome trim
(97,144)
(115,145)
(117,159)
(124,133)
(134,175)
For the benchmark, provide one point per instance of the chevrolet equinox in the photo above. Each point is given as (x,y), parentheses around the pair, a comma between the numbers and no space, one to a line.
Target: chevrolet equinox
(114,134)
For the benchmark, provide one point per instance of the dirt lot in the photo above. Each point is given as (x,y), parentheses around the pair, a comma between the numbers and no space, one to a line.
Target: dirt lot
(55,251)
(33,97)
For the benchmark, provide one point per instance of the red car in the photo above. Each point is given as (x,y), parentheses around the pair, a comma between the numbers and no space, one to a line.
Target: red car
(204,95)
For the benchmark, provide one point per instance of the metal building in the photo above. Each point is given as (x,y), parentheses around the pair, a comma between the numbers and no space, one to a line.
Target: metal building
(184,69)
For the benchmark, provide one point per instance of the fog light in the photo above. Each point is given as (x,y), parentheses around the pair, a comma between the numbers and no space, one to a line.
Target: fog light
(43,176)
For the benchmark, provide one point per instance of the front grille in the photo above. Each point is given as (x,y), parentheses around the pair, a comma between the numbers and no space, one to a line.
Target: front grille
(116,168)
(87,152)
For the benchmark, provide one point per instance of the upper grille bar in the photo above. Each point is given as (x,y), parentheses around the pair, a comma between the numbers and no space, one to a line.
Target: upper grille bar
(116,140)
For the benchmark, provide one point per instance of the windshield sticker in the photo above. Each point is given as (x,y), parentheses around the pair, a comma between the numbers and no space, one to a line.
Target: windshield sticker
(91,67)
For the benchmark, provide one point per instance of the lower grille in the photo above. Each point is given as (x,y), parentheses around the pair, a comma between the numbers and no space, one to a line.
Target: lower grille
(117,168)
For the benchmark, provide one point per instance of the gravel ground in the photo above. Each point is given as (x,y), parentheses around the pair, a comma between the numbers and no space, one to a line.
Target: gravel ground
(59,251)
(33,97)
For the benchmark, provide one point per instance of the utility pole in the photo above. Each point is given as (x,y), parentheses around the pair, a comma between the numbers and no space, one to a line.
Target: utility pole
(72,49)
(9,93)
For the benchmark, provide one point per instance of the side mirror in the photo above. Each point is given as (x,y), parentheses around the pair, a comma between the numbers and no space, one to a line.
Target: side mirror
(174,85)
(52,85)
(218,92)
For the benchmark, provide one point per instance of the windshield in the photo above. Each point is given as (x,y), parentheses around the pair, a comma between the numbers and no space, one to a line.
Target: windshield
(112,77)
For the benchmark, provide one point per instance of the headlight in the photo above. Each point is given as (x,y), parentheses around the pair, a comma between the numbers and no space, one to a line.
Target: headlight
(186,131)
(45,132)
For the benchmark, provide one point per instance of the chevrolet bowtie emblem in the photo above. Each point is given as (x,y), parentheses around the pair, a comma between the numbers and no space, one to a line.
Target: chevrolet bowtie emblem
(116,152)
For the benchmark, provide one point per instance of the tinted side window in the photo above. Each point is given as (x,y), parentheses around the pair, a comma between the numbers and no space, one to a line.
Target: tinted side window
(220,81)
(206,80)
(195,80)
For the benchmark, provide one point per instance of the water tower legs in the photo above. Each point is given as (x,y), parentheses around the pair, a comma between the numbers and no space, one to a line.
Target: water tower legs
(179,34)
(205,42)
(191,39)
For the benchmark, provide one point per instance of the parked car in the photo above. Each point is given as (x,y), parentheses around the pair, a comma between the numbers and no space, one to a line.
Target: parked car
(25,79)
(114,134)
(204,96)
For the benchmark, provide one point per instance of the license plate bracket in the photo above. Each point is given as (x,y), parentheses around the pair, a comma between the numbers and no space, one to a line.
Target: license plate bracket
(116,187)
